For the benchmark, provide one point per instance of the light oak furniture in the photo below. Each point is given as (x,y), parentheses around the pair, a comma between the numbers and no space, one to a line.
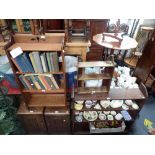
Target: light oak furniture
(77,48)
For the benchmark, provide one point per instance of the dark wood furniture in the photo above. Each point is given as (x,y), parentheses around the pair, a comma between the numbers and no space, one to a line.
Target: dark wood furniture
(138,95)
(29,43)
(32,121)
(146,61)
(57,121)
(96,51)
(76,29)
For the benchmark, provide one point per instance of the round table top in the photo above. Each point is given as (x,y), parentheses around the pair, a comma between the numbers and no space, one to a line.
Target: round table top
(109,42)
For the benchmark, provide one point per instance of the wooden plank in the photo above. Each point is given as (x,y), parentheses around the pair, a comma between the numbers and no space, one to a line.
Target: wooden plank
(54,91)
(79,43)
(114,94)
(91,90)
(96,64)
(47,100)
(37,47)
(94,76)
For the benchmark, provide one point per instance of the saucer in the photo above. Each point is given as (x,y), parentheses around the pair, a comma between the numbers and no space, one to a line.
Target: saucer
(125,107)
(102,116)
(110,117)
(135,106)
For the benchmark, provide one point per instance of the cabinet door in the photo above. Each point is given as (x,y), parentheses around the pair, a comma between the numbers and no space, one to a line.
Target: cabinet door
(57,124)
(33,123)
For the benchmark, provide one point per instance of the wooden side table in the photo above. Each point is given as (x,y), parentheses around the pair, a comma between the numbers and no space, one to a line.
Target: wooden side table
(77,48)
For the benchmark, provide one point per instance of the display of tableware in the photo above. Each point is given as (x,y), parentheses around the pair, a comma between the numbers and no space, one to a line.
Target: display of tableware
(106,112)
(110,117)
(88,104)
(78,106)
(113,113)
(118,117)
(102,116)
(128,102)
(79,118)
(125,107)
(90,115)
(116,103)
(97,107)
(135,106)
(105,103)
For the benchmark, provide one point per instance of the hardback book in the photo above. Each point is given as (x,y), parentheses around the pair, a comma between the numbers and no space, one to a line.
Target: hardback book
(20,60)
(40,83)
(33,62)
(23,82)
(44,62)
(42,77)
(51,61)
(55,62)
(54,82)
(37,61)
(49,81)
(28,62)
(22,78)
(48,61)
(31,81)
(35,83)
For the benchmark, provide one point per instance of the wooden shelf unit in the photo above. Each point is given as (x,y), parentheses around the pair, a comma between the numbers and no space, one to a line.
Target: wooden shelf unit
(49,43)
(139,96)
(106,73)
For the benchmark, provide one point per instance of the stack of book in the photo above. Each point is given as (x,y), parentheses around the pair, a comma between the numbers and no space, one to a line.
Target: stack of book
(40,81)
(38,62)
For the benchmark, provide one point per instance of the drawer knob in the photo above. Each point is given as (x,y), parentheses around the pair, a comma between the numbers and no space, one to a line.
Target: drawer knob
(64,120)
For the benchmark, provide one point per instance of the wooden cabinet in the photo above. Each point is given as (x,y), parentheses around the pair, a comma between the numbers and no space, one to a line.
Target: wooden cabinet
(58,122)
(96,26)
(32,121)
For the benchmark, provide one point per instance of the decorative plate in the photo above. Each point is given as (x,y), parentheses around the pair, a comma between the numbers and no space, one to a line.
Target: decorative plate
(135,106)
(110,117)
(105,103)
(79,118)
(125,107)
(102,116)
(116,103)
(97,107)
(118,117)
(90,115)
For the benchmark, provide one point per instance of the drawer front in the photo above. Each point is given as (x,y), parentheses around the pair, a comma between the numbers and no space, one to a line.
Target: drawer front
(47,100)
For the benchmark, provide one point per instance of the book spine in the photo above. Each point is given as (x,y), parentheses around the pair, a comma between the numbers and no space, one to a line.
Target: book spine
(56,62)
(54,82)
(43,63)
(31,82)
(16,64)
(52,61)
(49,81)
(36,83)
(23,82)
(48,61)
(38,61)
(20,62)
(32,61)
(27,61)
(40,83)
(27,83)
(39,76)
(45,82)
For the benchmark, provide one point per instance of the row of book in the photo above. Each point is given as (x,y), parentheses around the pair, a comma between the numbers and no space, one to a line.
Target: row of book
(38,62)
(40,81)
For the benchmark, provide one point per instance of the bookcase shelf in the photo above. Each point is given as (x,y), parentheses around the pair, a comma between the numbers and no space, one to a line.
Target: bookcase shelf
(20,73)
(46,87)
(94,76)
(55,91)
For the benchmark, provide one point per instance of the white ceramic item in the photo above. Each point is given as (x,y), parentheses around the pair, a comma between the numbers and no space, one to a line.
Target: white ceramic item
(128,102)
(102,116)
(135,106)
(113,113)
(116,103)
(105,103)
(118,116)
(125,107)
(110,117)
